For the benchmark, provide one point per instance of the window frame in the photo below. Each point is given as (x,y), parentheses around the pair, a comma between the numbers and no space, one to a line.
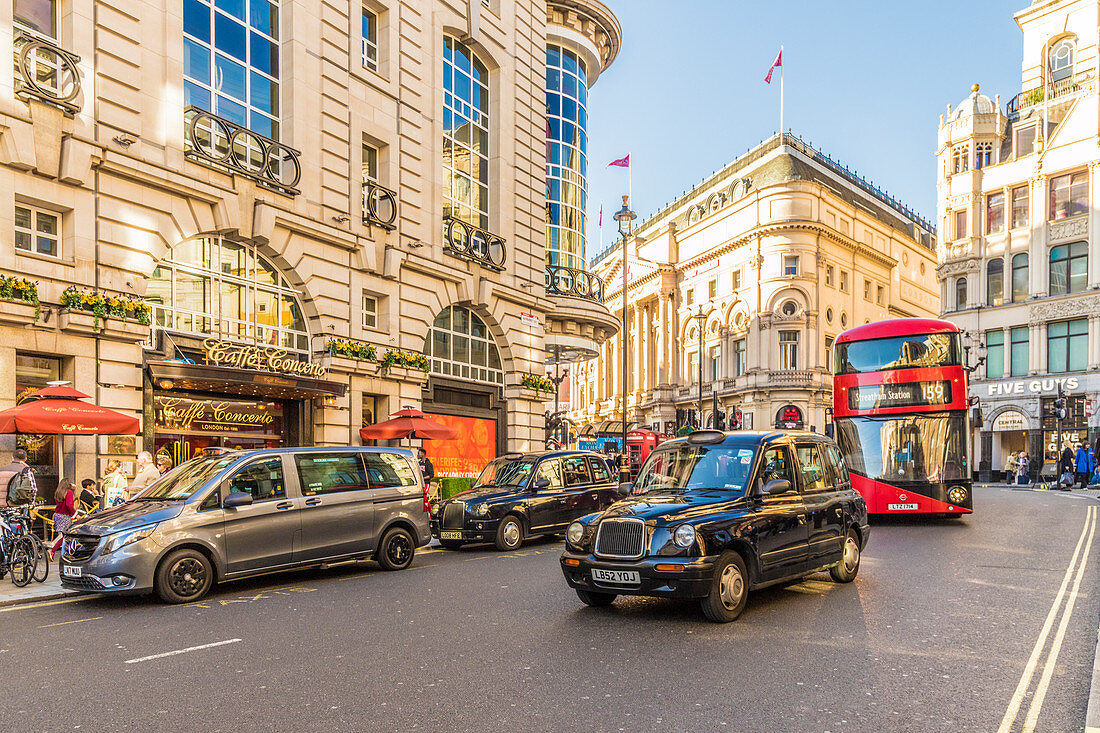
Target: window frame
(1077,253)
(995,212)
(228,482)
(995,281)
(844,281)
(463,199)
(1062,65)
(369,38)
(788,350)
(1019,347)
(1076,334)
(372,312)
(1021,134)
(1075,185)
(357,457)
(961,293)
(995,353)
(790,265)
(1021,194)
(829,275)
(34,234)
(1016,270)
(958,218)
(55,21)
(740,364)
(808,485)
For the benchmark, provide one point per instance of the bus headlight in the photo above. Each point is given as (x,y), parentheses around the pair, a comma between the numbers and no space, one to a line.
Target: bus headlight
(956,494)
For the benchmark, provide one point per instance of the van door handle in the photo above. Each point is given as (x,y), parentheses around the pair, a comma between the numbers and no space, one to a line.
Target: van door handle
(284,505)
(315,501)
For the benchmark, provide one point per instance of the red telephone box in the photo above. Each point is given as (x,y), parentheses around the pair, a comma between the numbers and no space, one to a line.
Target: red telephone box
(639,444)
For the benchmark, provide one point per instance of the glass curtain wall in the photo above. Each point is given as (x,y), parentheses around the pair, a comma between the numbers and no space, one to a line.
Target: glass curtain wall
(566,157)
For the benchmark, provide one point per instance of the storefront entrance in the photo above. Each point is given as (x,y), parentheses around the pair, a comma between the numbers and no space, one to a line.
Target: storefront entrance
(188,423)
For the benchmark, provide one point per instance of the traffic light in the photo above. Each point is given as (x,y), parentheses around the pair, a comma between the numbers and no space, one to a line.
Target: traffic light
(737,421)
(720,420)
(1060,408)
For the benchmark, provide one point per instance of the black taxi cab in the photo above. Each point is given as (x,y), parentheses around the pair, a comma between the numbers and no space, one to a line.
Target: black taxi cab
(715,515)
(519,495)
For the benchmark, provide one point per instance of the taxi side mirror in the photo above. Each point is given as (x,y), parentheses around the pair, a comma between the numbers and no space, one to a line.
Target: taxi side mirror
(778,486)
(540,484)
(625,488)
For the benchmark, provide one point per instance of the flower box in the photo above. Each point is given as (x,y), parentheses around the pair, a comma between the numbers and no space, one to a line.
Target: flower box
(407,374)
(80,322)
(124,329)
(17,312)
(346,364)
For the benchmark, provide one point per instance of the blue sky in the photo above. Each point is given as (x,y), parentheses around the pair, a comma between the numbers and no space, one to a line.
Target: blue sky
(865,82)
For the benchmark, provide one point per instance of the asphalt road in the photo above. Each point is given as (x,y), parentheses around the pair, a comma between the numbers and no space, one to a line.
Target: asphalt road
(935,634)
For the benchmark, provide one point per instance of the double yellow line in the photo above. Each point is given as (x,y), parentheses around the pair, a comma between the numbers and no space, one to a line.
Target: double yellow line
(1074,573)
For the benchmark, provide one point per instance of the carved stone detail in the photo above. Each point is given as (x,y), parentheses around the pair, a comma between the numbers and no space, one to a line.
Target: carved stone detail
(948,269)
(1040,313)
(1058,231)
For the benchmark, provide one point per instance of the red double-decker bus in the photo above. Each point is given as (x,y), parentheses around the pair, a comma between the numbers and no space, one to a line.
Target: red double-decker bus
(900,412)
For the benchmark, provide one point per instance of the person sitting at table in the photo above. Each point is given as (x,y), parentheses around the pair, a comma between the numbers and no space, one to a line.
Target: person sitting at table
(88,494)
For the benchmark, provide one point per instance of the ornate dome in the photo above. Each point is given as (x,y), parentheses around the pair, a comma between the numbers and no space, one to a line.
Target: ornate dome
(975,104)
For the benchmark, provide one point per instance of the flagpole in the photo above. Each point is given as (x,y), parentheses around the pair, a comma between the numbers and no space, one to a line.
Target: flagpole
(781,69)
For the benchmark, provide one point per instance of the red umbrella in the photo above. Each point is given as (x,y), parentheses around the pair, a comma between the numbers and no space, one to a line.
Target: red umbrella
(408,423)
(65,416)
(57,390)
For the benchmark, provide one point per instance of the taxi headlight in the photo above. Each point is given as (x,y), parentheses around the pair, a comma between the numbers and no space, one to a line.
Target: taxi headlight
(481,509)
(684,536)
(128,537)
(575,534)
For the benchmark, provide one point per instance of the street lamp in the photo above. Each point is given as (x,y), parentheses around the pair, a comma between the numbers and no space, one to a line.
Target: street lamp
(625,218)
(701,321)
(981,349)
(558,376)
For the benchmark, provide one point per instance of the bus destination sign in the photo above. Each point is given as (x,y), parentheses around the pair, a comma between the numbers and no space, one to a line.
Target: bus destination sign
(910,394)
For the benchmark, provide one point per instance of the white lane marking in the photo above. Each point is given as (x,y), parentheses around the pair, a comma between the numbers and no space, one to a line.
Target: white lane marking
(1029,670)
(181,651)
(1056,645)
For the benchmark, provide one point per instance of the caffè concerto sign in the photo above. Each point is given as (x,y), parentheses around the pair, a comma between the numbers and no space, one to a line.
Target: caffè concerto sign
(262,358)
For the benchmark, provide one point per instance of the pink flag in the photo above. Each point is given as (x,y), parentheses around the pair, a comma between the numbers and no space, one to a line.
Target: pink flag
(778,62)
(621,162)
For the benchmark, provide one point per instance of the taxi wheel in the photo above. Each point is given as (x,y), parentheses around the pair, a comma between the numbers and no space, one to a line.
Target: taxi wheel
(729,591)
(845,571)
(509,533)
(396,550)
(451,544)
(589,598)
(184,576)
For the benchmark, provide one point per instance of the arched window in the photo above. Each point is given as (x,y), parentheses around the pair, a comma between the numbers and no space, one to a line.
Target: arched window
(1061,59)
(983,155)
(567,156)
(960,294)
(465,135)
(212,286)
(1019,278)
(995,281)
(1069,268)
(460,345)
(790,308)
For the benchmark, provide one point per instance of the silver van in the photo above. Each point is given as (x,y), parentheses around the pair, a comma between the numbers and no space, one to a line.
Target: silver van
(246,512)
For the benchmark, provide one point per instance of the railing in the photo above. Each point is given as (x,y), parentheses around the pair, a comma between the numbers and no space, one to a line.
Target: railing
(1054,90)
(46,71)
(379,205)
(570,281)
(467,242)
(217,141)
(784,377)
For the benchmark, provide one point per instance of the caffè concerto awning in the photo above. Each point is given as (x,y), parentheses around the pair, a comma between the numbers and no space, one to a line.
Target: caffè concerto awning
(179,375)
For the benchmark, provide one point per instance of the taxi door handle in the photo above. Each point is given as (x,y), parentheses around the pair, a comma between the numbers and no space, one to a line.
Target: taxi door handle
(284,505)
(315,501)
(802,518)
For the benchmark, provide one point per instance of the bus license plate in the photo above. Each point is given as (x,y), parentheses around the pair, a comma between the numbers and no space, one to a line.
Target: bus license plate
(902,507)
(70,571)
(621,577)
(450,535)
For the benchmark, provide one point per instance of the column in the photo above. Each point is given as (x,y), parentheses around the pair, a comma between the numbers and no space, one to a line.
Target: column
(1037,347)
(675,349)
(1094,341)
(1008,351)
(1038,258)
(664,360)
(647,342)
(1094,255)
(638,377)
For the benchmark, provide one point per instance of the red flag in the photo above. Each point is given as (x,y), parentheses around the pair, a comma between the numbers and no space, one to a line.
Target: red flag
(601,215)
(778,62)
(621,162)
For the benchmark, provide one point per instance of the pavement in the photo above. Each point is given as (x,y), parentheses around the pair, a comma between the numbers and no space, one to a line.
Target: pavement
(966,624)
(34,592)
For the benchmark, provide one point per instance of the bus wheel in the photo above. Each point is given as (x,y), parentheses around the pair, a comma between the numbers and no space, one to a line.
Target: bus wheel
(845,571)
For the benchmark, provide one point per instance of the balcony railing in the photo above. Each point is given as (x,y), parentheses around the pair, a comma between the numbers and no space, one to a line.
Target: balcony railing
(216,141)
(470,243)
(46,71)
(1054,90)
(574,283)
(379,205)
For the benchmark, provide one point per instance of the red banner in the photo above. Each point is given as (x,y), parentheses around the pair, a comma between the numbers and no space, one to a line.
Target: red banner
(466,456)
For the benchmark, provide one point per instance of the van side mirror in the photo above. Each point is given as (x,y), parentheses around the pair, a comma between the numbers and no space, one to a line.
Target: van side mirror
(541,484)
(625,488)
(237,499)
(778,486)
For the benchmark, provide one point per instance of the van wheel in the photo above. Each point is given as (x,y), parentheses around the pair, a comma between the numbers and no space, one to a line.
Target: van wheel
(184,576)
(451,544)
(845,571)
(396,550)
(589,598)
(729,591)
(509,533)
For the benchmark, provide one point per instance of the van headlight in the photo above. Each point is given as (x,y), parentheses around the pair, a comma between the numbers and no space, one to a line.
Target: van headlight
(481,509)
(575,534)
(127,537)
(684,536)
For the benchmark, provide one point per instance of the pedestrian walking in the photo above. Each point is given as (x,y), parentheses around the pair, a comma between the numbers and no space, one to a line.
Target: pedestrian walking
(1067,459)
(63,512)
(17,485)
(1010,468)
(1022,466)
(1084,463)
(114,484)
(427,470)
(147,473)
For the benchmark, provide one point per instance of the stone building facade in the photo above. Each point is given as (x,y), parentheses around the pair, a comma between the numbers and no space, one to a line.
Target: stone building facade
(314,200)
(1019,256)
(755,271)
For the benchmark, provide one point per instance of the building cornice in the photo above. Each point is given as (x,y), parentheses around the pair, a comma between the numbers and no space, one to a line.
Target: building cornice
(593,20)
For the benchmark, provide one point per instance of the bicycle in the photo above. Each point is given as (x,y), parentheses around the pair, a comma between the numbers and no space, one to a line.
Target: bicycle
(18,552)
